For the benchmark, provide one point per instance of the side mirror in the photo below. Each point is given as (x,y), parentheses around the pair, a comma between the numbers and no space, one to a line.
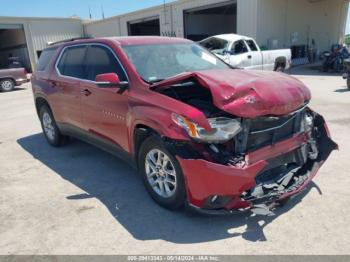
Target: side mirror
(110,80)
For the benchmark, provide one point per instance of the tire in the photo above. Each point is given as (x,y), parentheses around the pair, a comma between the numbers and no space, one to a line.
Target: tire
(49,127)
(348,82)
(7,85)
(325,67)
(280,68)
(169,191)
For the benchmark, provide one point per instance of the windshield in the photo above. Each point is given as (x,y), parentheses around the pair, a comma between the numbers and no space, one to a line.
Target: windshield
(215,45)
(158,62)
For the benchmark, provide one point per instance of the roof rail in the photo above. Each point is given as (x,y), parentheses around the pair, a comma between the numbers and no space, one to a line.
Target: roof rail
(69,40)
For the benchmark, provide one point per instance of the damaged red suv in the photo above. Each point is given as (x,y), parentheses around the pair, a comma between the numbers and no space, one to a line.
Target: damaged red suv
(201,133)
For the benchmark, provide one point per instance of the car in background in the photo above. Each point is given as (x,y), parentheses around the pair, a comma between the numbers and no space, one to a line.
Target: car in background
(201,134)
(12,77)
(243,52)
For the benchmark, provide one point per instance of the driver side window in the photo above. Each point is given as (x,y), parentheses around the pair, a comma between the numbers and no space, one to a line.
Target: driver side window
(239,47)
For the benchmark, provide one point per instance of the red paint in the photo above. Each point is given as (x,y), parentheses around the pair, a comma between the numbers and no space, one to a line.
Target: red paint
(114,116)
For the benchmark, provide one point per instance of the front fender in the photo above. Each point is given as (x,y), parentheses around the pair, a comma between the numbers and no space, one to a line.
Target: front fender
(158,119)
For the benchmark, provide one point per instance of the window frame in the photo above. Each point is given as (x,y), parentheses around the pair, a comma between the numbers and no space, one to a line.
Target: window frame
(86,45)
(244,43)
(256,46)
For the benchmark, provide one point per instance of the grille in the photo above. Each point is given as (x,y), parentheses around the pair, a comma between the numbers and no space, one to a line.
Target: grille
(264,131)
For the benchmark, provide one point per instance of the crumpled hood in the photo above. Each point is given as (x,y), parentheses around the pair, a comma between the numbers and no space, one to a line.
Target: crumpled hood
(247,93)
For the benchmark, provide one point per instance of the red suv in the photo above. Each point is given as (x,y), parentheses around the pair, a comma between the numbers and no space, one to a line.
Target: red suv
(215,138)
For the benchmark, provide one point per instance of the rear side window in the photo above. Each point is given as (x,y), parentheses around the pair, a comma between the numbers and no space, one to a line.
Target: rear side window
(72,62)
(45,58)
(252,45)
(100,60)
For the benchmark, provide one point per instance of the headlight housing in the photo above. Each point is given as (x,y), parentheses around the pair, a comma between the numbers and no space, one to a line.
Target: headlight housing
(222,130)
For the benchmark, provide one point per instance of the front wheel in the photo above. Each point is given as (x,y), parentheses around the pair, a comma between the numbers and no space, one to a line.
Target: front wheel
(7,85)
(161,174)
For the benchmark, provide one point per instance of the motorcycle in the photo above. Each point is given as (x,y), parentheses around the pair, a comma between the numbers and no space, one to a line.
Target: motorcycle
(335,59)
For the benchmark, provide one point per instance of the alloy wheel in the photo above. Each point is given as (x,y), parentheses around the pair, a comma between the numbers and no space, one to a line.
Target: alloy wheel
(49,128)
(161,173)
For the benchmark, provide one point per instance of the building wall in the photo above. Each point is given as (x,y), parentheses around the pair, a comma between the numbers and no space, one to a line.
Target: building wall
(40,31)
(321,20)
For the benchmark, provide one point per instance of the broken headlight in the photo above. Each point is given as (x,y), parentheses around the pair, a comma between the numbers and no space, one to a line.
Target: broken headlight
(222,129)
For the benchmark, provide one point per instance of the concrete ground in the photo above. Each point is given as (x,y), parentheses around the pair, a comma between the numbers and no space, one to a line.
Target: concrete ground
(81,200)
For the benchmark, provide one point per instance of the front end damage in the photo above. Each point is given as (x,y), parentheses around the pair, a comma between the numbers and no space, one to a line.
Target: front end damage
(222,179)
(277,145)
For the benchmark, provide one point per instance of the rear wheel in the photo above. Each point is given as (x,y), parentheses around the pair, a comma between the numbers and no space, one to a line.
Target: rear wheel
(50,129)
(7,85)
(280,68)
(161,174)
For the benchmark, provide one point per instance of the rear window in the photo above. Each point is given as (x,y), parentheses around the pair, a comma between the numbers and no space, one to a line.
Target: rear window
(45,58)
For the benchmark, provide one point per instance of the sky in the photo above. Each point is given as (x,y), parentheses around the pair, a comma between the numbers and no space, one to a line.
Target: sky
(66,8)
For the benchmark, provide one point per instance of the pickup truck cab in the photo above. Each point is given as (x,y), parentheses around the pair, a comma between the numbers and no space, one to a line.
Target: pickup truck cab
(201,134)
(9,78)
(243,52)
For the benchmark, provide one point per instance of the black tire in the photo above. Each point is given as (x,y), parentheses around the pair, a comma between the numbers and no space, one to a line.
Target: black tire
(348,82)
(325,67)
(178,199)
(57,139)
(7,85)
(280,68)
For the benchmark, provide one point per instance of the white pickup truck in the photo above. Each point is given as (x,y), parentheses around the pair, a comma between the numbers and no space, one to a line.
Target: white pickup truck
(241,51)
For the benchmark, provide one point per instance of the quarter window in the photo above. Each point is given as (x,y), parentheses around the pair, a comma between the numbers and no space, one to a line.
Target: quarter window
(72,62)
(252,45)
(45,58)
(100,60)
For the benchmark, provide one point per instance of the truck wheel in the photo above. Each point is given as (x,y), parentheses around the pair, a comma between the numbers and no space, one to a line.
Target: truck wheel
(161,174)
(7,85)
(280,68)
(49,127)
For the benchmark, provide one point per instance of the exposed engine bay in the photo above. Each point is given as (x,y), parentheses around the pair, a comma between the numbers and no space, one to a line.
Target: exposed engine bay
(283,174)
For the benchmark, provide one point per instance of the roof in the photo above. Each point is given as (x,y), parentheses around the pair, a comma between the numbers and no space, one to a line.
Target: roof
(142,40)
(127,40)
(232,37)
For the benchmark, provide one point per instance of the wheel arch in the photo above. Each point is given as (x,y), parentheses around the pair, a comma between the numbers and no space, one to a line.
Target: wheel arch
(39,102)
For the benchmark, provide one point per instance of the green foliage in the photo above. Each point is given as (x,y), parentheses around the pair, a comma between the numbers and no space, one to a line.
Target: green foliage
(347,39)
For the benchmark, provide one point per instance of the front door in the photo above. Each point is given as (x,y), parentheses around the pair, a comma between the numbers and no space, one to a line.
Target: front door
(104,109)
(240,56)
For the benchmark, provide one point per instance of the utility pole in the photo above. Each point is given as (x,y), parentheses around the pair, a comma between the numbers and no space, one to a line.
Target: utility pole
(103,12)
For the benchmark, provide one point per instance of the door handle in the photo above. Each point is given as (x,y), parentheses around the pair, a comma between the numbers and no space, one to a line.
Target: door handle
(249,57)
(53,84)
(85,92)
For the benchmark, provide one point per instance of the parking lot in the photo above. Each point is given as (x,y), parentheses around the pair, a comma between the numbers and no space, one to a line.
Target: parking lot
(80,200)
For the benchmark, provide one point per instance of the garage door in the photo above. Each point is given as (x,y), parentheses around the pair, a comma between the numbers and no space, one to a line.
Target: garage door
(13,47)
(148,26)
(205,21)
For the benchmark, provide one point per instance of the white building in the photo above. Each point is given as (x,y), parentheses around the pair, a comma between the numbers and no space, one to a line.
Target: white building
(274,23)
(26,37)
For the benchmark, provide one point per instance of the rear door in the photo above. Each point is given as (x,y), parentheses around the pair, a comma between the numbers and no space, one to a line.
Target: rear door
(104,109)
(66,82)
